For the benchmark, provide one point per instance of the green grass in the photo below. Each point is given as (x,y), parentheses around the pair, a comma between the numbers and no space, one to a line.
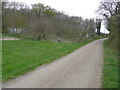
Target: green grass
(19,57)
(110,70)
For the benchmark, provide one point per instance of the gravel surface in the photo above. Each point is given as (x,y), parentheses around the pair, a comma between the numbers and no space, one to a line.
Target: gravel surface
(80,69)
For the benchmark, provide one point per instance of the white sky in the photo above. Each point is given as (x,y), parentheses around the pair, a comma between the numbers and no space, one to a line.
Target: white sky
(84,8)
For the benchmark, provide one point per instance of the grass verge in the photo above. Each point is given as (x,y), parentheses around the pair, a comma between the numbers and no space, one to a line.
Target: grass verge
(19,57)
(110,70)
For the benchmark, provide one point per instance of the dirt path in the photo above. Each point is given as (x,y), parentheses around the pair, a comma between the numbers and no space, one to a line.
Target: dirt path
(8,39)
(80,69)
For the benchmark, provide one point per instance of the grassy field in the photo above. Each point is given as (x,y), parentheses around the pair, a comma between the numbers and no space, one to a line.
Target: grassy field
(110,70)
(19,57)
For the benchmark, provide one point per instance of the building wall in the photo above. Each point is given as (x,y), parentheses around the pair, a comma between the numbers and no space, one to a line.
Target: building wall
(16,30)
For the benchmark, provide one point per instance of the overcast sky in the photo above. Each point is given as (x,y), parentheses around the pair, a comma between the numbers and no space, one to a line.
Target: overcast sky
(84,8)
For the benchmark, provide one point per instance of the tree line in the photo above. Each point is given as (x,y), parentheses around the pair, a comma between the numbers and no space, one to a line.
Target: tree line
(45,23)
(111,11)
